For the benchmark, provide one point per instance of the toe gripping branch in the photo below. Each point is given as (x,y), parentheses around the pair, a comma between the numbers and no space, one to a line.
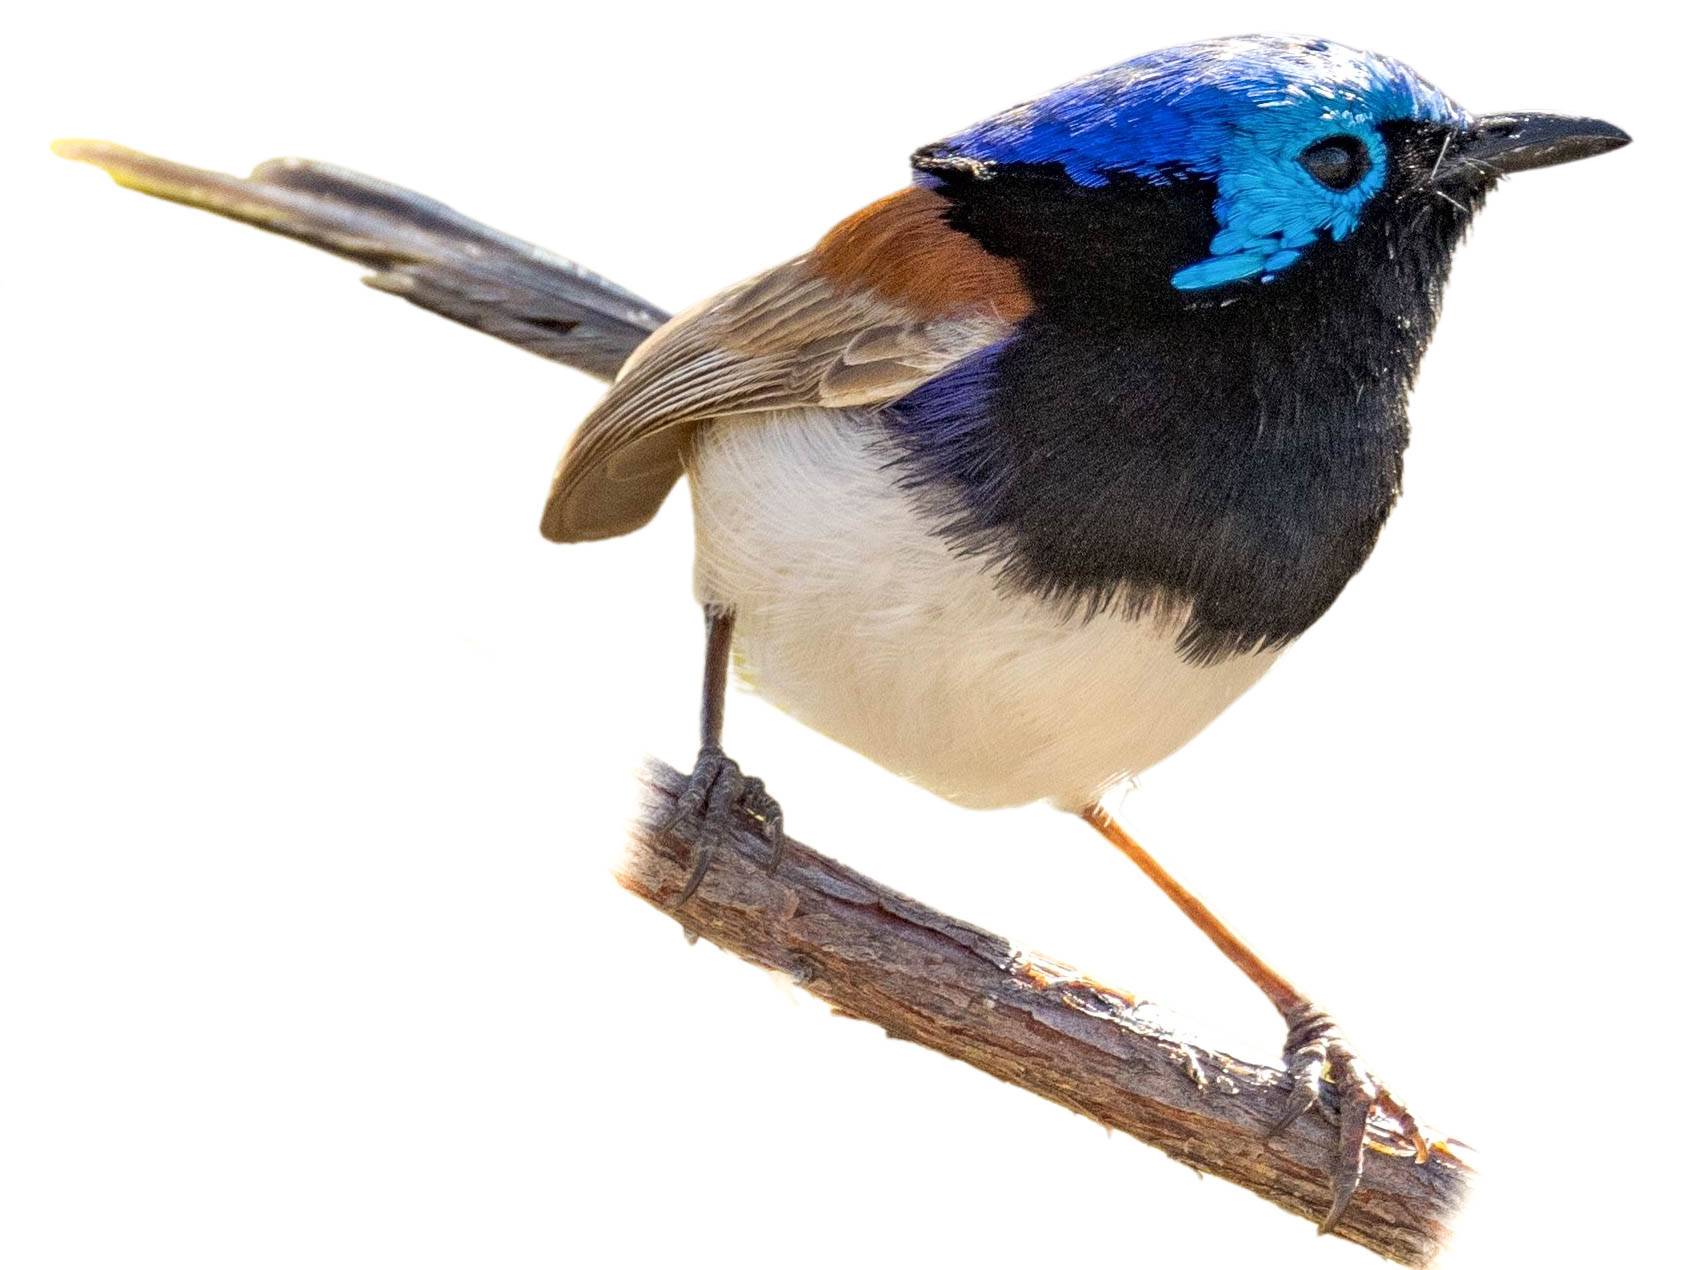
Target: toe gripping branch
(1327,1075)
(717,793)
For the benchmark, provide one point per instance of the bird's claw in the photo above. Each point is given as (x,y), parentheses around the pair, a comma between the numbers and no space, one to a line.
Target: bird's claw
(757,802)
(1329,1076)
(718,791)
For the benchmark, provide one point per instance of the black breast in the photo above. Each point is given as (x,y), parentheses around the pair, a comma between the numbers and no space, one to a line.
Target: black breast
(1234,452)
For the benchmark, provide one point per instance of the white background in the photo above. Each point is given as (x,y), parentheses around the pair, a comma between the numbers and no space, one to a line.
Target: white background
(316,755)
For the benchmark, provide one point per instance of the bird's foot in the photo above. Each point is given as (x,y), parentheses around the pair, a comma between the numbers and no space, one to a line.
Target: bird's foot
(1328,1076)
(717,792)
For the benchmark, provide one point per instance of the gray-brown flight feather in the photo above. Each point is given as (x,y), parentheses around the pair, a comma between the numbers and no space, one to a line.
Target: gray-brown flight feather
(785,339)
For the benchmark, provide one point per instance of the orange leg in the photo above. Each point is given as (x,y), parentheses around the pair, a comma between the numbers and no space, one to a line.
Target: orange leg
(1315,1049)
(1281,993)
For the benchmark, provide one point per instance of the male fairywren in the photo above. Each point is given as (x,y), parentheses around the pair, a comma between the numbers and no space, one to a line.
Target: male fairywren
(1024,473)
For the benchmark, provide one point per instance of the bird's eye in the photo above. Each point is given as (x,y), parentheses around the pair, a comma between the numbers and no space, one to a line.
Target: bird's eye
(1339,162)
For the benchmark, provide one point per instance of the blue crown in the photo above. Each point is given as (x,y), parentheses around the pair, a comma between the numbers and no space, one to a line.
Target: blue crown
(1236,111)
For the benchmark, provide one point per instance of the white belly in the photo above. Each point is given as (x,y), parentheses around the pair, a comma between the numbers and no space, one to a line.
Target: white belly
(853,617)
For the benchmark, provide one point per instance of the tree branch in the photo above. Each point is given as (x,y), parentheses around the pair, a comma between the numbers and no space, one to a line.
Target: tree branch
(925,977)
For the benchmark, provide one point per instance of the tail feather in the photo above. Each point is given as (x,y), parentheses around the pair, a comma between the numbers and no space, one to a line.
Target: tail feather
(420,250)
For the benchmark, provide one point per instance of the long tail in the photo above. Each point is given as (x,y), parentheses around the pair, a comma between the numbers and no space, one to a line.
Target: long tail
(421,250)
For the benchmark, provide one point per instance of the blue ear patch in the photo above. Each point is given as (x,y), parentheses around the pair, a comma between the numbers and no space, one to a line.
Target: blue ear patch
(1238,112)
(1269,207)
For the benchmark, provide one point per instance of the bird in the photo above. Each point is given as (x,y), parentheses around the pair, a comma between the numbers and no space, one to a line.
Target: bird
(1027,471)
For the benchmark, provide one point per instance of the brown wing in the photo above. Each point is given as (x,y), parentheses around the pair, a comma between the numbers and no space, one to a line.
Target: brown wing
(823,330)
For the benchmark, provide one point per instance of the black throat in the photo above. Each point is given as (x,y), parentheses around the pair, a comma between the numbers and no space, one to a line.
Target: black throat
(1229,454)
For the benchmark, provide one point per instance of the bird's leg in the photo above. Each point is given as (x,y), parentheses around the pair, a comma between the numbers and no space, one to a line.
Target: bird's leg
(718,791)
(1315,1051)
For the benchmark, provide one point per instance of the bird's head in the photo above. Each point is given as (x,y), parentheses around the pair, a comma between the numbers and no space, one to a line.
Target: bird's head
(1230,258)
(1204,173)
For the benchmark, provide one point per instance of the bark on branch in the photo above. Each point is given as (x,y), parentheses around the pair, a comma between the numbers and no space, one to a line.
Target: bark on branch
(925,977)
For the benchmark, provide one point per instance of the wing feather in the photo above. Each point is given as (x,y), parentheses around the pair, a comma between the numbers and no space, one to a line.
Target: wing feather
(787,338)
(890,298)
